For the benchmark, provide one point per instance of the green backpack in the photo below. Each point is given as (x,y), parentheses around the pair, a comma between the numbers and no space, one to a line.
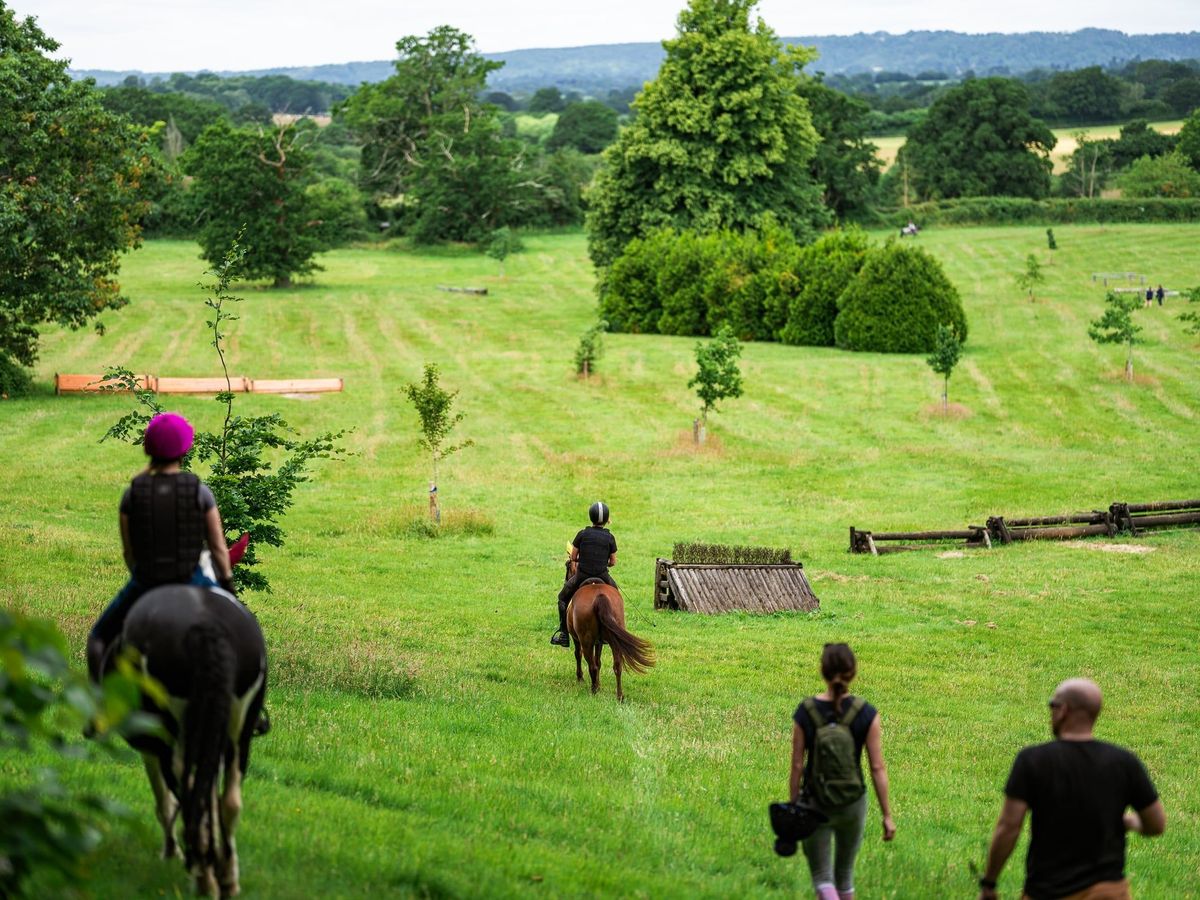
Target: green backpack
(836,776)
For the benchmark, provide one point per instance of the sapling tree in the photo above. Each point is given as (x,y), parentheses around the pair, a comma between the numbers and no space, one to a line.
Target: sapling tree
(252,486)
(434,406)
(1192,317)
(1031,277)
(946,351)
(591,347)
(1116,326)
(501,243)
(717,377)
(1051,243)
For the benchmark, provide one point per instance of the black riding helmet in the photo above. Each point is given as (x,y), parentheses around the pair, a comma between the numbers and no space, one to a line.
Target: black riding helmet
(598,513)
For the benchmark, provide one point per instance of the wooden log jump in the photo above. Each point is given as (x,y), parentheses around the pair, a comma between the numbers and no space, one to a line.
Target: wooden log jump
(463,290)
(866,541)
(1128,518)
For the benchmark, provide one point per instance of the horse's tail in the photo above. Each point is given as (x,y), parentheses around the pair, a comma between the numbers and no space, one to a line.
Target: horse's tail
(634,651)
(205,735)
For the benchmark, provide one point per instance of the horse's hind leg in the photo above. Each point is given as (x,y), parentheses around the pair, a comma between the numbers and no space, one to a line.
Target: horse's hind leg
(166,807)
(593,655)
(617,673)
(231,810)
(578,660)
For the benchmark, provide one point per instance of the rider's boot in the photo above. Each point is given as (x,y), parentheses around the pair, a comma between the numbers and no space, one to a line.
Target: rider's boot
(561,638)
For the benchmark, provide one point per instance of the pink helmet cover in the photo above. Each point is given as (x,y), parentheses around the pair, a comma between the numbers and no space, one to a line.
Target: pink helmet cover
(168,436)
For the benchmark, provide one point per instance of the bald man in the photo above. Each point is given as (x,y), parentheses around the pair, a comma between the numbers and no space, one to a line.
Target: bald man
(1084,795)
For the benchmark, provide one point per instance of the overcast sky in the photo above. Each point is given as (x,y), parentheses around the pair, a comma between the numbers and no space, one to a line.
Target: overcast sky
(174,35)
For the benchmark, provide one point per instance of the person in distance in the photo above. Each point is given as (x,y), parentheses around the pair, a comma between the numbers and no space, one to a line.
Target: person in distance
(594,552)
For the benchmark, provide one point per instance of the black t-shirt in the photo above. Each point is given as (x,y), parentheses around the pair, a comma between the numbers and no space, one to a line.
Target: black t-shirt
(595,546)
(1077,793)
(858,727)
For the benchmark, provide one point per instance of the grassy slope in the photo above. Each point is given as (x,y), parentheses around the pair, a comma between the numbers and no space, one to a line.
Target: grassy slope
(429,741)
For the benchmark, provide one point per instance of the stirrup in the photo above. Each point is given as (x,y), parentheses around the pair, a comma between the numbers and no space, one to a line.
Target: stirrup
(565,639)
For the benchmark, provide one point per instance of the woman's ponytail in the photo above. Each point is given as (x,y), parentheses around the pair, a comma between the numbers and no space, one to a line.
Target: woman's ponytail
(838,668)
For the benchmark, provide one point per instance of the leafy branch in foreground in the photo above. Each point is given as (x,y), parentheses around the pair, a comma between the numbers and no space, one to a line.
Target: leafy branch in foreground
(43,825)
(252,492)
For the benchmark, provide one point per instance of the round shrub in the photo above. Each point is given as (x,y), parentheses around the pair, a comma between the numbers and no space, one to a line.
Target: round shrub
(14,378)
(629,298)
(897,301)
(824,272)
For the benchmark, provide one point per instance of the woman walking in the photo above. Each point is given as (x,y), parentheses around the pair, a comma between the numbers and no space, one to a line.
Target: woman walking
(827,742)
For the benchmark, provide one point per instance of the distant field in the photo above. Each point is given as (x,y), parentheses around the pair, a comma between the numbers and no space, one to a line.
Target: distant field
(429,742)
(890,145)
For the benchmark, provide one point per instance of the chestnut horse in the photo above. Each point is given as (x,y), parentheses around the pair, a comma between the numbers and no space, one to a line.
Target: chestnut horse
(596,616)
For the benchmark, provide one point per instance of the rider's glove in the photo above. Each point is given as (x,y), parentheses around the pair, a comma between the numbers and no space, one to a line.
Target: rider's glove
(227,585)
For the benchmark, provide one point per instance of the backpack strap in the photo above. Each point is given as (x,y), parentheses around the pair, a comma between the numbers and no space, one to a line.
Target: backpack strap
(852,712)
(810,707)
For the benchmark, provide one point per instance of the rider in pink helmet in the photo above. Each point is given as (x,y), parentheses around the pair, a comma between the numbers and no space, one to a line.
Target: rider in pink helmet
(167,518)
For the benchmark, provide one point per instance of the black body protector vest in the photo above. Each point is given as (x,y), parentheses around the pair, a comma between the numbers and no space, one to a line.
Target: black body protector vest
(166,527)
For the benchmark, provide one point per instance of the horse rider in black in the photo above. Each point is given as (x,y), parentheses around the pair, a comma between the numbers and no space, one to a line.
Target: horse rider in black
(595,551)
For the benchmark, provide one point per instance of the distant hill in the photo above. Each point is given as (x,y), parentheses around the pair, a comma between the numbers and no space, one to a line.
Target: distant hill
(600,68)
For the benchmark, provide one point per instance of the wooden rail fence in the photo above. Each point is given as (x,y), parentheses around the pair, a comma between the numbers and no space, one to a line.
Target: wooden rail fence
(1119,518)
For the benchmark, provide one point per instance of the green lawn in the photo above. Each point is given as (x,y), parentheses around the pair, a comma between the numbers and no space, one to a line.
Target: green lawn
(428,741)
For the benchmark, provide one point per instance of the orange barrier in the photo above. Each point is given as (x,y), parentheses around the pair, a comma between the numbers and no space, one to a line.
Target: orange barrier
(295,385)
(201,385)
(74,384)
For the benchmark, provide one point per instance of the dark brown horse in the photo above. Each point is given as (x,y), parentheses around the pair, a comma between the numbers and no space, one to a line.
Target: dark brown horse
(207,652)
(596,616)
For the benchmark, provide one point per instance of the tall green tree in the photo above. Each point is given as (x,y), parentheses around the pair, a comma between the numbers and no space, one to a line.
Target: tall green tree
(979,140)
(71,192)
(844,165)
(1189,140)
(257,179)
(432,151)
(722,137)
(588,127)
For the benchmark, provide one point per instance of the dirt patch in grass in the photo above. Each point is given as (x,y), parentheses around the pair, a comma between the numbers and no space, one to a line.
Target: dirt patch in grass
(1138,377)
(953,411)
(836,576)
(685,445)
(1109,548)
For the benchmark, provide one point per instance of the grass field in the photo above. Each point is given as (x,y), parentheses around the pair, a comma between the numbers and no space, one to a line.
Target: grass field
(890,145)
(429,742)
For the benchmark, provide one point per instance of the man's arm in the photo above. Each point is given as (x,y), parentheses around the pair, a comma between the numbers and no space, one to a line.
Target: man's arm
(1148,822)
(1004,838)
(612,560)
(216,544)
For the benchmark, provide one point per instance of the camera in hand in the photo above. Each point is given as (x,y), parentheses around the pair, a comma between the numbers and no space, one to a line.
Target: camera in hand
(793,822)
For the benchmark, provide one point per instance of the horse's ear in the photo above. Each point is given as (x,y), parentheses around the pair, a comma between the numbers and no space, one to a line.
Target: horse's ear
(569,548)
